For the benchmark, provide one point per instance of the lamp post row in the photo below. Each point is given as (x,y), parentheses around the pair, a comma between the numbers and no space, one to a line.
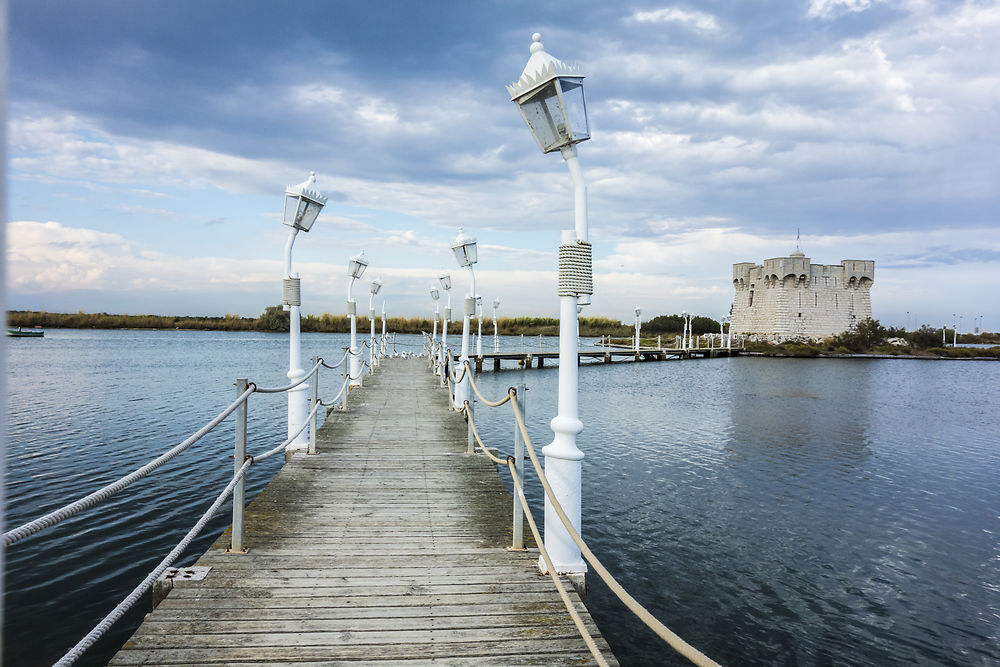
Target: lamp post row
(549,95)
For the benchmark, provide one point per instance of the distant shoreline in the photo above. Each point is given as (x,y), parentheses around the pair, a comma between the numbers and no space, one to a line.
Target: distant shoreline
(839,355)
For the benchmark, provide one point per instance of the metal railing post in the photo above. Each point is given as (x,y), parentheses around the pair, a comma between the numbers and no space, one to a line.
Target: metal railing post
(313,399)
(239,456)
(472,413)
(347,375)
(518,542)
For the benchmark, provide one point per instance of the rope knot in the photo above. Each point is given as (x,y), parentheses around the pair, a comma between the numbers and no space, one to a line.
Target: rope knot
(576,274)
(291,292)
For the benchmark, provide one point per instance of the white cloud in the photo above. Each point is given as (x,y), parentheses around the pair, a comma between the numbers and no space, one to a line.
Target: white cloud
(694,19)
(827,9)
(67,148)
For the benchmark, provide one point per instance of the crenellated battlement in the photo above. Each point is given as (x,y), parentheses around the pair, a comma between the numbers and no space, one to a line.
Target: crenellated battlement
(791,298)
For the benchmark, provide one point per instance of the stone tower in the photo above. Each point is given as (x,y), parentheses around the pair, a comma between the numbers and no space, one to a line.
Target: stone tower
(790,298)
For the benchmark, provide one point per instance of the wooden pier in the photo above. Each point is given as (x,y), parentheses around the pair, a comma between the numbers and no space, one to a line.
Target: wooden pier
(388,545)
(606,355)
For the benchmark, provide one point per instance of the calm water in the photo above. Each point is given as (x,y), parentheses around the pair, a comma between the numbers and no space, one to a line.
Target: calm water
(771,511)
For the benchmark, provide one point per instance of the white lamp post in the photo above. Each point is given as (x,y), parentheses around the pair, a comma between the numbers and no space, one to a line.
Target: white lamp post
(382,346)
(466,254)
(496,339)
(684,330)
(355,269)
(376,286)
(550,97)
(445,280)
(435,295)
(638,327)
(479,323)
(954,330)
(302,206)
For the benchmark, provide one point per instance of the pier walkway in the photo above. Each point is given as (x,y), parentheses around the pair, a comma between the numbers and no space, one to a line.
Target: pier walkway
(387,545)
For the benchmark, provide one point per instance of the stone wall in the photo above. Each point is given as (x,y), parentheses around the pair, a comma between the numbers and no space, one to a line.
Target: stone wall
(790,298)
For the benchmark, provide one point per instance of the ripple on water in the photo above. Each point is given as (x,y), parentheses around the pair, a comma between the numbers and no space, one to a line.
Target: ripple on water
(769,511)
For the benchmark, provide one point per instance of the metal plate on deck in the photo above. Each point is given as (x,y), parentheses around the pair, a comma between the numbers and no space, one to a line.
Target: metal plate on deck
(193,573)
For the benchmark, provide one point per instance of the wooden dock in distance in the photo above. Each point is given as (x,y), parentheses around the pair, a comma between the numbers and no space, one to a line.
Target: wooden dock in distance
(607,355)
(388,545)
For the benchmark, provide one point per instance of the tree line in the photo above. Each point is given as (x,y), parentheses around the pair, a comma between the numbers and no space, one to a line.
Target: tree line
(276,319)
(869,336)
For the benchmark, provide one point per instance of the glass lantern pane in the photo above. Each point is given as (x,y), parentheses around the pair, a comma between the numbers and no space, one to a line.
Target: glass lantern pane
(472,250)
(545,119)
(291,210)
(576,109)
(309,210)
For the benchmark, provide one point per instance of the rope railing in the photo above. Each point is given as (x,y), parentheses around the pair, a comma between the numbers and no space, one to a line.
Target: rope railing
(288,387)
(333,401)
(674,640)
(336,365)
(58,516)
(234,488)
(105,624)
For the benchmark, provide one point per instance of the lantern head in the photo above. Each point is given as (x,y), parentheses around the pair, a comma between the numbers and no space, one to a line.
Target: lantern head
(550,97)
(302,204)
(465,249)
(357,265)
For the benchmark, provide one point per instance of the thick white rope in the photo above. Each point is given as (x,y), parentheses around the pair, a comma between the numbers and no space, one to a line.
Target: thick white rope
(338,364)
(278,390)
(482,399)
(63,513)
(665,633)
(77,651)
(576,274)
(675,641)
(333,401)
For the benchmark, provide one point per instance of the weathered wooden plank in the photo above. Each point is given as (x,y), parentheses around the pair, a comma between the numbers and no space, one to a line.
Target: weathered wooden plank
(519,652)
(387,546)
(225,600)
(254,613)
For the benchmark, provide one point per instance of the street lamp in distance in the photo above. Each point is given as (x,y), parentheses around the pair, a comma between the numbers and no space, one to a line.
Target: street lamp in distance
(355,269)
(302,207)
(467,254)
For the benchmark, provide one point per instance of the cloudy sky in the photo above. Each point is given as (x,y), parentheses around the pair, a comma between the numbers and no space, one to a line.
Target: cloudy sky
(150,143)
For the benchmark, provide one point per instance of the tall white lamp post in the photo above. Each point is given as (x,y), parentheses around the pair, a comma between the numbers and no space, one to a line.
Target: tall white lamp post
(302,206)
(435,295)
(382,346)
(954,330)
(638,327)
(496,339)
(684,330)
(550,97)
(376,286)
(479,323)
(355,269)
(466,254)
(445,280)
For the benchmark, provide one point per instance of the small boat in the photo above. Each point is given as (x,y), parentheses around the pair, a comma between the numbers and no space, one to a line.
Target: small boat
(25,333)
